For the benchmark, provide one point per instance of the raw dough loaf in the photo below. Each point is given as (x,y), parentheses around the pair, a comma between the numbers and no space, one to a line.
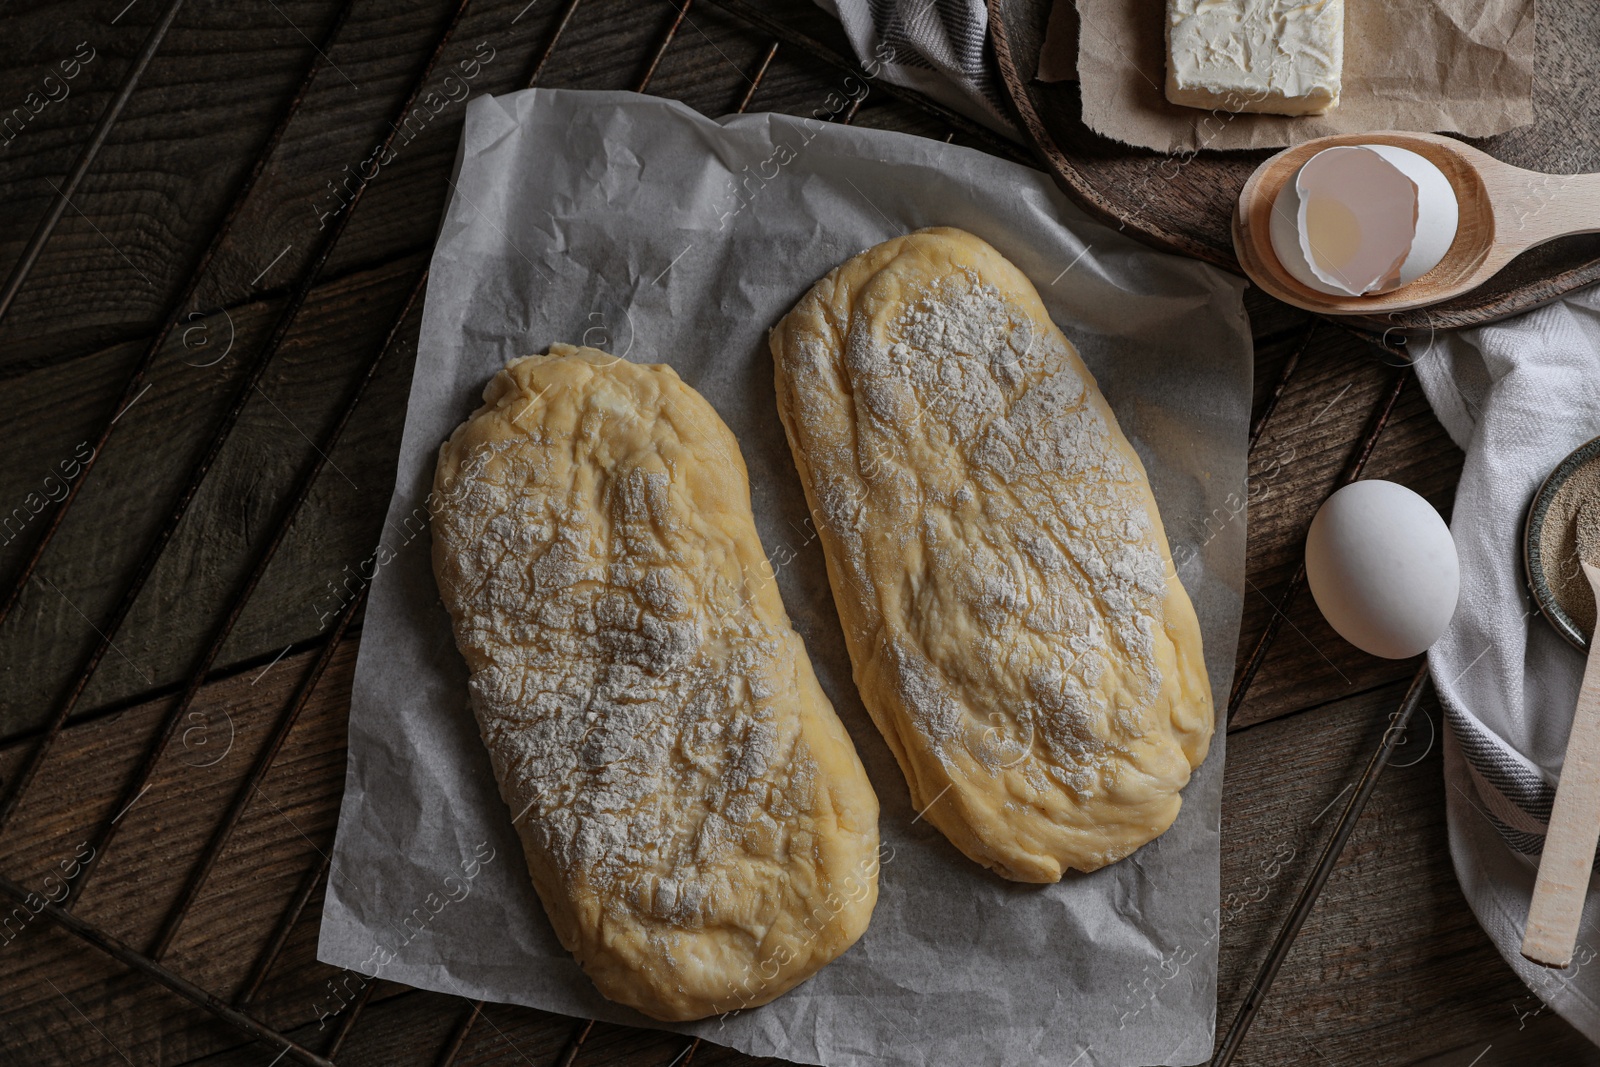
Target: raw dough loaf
(694,815)
(1017,630)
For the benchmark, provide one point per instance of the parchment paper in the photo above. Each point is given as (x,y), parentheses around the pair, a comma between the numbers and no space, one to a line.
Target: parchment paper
(634,224)
(1443,66)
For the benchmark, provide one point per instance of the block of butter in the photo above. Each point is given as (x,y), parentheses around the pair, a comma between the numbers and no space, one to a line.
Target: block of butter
(1282,57)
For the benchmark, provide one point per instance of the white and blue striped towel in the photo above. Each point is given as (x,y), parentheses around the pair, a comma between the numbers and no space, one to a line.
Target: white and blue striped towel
(1517,396)
(936,47)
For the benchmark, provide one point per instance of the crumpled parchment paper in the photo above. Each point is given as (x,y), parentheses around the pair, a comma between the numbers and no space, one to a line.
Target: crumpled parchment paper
(636,225)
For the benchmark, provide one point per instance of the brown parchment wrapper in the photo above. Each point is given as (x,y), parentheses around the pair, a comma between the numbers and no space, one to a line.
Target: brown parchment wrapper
(1434,66)
(1058,58)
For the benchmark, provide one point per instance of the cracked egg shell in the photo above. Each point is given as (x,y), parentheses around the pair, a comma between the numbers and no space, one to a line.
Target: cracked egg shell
(1364,219)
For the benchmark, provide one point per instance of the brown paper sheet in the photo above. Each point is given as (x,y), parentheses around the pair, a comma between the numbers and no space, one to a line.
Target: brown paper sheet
(1058,58)
(1441,66)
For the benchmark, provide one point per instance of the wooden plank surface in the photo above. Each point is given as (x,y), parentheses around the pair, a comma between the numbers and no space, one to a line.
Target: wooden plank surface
(1392,968)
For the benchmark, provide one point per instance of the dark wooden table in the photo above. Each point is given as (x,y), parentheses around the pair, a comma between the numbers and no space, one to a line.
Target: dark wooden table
(226,294)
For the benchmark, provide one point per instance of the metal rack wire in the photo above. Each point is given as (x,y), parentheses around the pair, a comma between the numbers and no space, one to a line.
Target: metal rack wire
(148,961)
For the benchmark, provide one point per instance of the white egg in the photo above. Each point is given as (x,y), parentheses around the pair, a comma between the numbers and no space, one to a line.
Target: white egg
(1383,568)
(1363,219)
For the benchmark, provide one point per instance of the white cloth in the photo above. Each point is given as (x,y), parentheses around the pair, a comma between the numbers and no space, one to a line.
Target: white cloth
(1517,396)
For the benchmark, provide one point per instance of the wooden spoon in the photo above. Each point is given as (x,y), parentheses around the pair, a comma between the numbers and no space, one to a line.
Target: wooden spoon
(1505,211)
(1569,840)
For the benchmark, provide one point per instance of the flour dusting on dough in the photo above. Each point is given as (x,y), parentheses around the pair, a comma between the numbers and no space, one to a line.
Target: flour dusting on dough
(651,717)
(1000,573)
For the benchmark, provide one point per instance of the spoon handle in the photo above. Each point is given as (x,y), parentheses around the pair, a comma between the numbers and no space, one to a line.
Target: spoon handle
(1569,841)
(1531,208)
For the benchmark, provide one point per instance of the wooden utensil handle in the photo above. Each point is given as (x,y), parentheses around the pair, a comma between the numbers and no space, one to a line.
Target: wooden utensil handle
(1532,208)
(1569,842)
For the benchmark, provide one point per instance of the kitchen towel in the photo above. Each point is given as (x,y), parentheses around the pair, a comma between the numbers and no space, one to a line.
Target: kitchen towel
(1517,396)
(936,47)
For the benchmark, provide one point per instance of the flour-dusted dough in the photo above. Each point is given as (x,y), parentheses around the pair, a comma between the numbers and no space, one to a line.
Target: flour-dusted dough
(1017,629)
(694,815)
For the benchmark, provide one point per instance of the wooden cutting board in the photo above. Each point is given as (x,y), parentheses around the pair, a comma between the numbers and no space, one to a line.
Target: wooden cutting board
(1189,208)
